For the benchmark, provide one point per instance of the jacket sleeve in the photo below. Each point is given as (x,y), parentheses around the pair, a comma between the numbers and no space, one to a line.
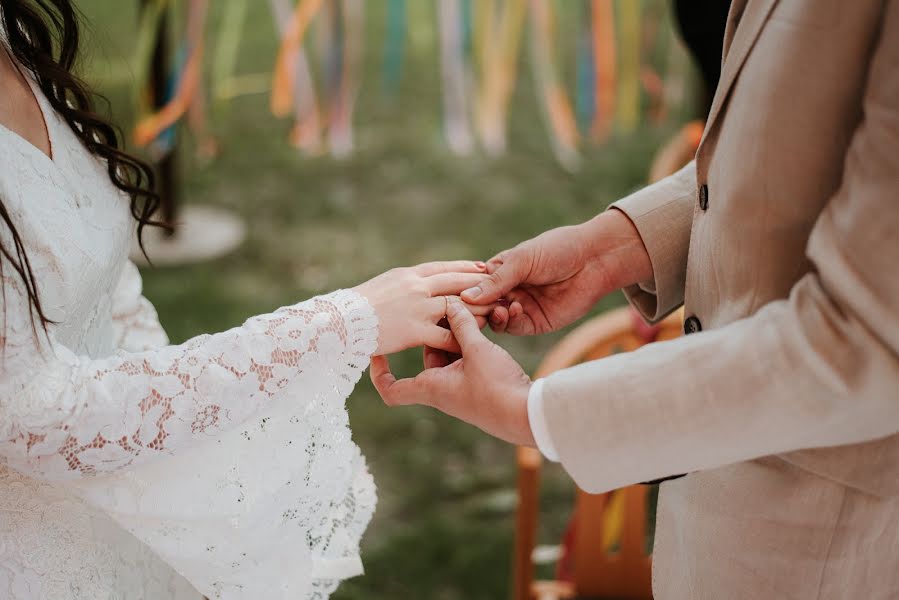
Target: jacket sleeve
(818,369)
(663,216)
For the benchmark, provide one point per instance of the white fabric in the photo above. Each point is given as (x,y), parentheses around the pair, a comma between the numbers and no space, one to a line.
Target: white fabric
(229,456)
(537,420)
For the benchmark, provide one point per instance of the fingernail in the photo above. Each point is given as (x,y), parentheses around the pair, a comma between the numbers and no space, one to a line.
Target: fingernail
(494,318)
(473,292)
(481,265)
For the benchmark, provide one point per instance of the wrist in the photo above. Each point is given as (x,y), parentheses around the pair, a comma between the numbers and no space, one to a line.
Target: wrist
(527,437)
(365,291)
(616,249)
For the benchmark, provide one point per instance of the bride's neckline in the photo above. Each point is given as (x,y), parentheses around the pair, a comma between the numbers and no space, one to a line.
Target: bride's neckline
(43,109)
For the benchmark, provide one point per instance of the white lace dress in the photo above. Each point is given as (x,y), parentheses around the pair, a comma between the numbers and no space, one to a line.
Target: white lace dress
(132,469)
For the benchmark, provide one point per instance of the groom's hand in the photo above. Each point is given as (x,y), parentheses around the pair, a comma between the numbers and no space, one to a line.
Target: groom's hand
(554,279)
(484,387)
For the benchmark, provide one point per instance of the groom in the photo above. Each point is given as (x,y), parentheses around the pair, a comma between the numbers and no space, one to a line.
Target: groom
(781,239)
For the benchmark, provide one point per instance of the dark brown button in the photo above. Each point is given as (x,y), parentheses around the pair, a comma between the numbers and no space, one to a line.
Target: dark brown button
(692,325)
(704,197)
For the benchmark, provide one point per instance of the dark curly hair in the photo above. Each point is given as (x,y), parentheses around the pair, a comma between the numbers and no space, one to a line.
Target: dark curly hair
(43,38)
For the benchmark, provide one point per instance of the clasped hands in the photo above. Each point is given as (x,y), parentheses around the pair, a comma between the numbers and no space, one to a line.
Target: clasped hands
(537,287)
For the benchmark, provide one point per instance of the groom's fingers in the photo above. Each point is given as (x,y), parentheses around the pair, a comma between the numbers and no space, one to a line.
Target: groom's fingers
(436,308)
(463,325)
(450,284)
(450,266)
(507,276)
(403,392)
(441,338)
(479,310)
(388,386)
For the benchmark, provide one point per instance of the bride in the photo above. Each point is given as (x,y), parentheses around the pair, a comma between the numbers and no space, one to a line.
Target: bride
(130,468)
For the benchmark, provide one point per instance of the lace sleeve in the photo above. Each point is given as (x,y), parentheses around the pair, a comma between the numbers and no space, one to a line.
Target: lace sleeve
(66,416)
(135,323)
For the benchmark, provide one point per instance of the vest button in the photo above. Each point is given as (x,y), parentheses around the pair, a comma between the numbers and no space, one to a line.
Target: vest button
(692,325)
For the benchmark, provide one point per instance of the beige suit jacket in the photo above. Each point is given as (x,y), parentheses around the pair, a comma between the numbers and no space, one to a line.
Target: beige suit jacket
(782,241)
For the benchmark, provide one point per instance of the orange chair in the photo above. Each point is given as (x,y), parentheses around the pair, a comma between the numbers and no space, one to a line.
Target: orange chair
(595,572)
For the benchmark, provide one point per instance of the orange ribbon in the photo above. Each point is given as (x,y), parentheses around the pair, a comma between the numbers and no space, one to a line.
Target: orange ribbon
(605,63)
(282,83)
(151,127)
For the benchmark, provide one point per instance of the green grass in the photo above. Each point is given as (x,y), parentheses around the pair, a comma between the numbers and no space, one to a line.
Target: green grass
(444,524)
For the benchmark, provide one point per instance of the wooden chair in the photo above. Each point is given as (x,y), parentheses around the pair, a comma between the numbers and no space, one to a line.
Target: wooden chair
(596,573)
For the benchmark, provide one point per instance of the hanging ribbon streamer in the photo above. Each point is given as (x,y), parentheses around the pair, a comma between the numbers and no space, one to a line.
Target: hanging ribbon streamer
(586,71)
(653,44)
(227,44)
(307,130)
(164,141)
(617,49)
(330,55)
(496,46)
(147,34)
(556,106)
(227,84)
(394,47)
(629,81)
(343,101)
(291,42)
(456,124)
(207,146)
(467,26)
(482,37)
(605,63)
(150,128)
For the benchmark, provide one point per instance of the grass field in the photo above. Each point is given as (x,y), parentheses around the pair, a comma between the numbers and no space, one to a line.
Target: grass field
(443,529)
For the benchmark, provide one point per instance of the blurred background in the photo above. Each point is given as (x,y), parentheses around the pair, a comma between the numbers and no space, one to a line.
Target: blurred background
(390,158)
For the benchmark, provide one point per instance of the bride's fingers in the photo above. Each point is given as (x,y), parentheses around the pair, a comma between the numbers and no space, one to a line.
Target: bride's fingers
(452,284)
(481,321)
(439,338)
(481,311)
(435,308)
(450,266)
(499,320)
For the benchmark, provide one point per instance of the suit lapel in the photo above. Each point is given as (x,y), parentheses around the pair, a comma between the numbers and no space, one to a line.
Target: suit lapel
(733,18)
(740,35)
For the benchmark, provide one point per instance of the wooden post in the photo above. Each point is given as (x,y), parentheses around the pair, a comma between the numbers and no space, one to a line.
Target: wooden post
(529,461)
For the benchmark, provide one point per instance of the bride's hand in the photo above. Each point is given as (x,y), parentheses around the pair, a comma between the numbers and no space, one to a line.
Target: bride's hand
(410,302)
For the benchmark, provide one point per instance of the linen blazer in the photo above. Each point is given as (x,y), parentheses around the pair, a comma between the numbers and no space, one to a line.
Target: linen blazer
(781,239)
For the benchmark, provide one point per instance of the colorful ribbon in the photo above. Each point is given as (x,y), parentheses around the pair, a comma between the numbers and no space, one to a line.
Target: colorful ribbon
(151,127)
(629,80)
(497,39)
(555,103)
(454,73)
(606,65)
(291,41)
